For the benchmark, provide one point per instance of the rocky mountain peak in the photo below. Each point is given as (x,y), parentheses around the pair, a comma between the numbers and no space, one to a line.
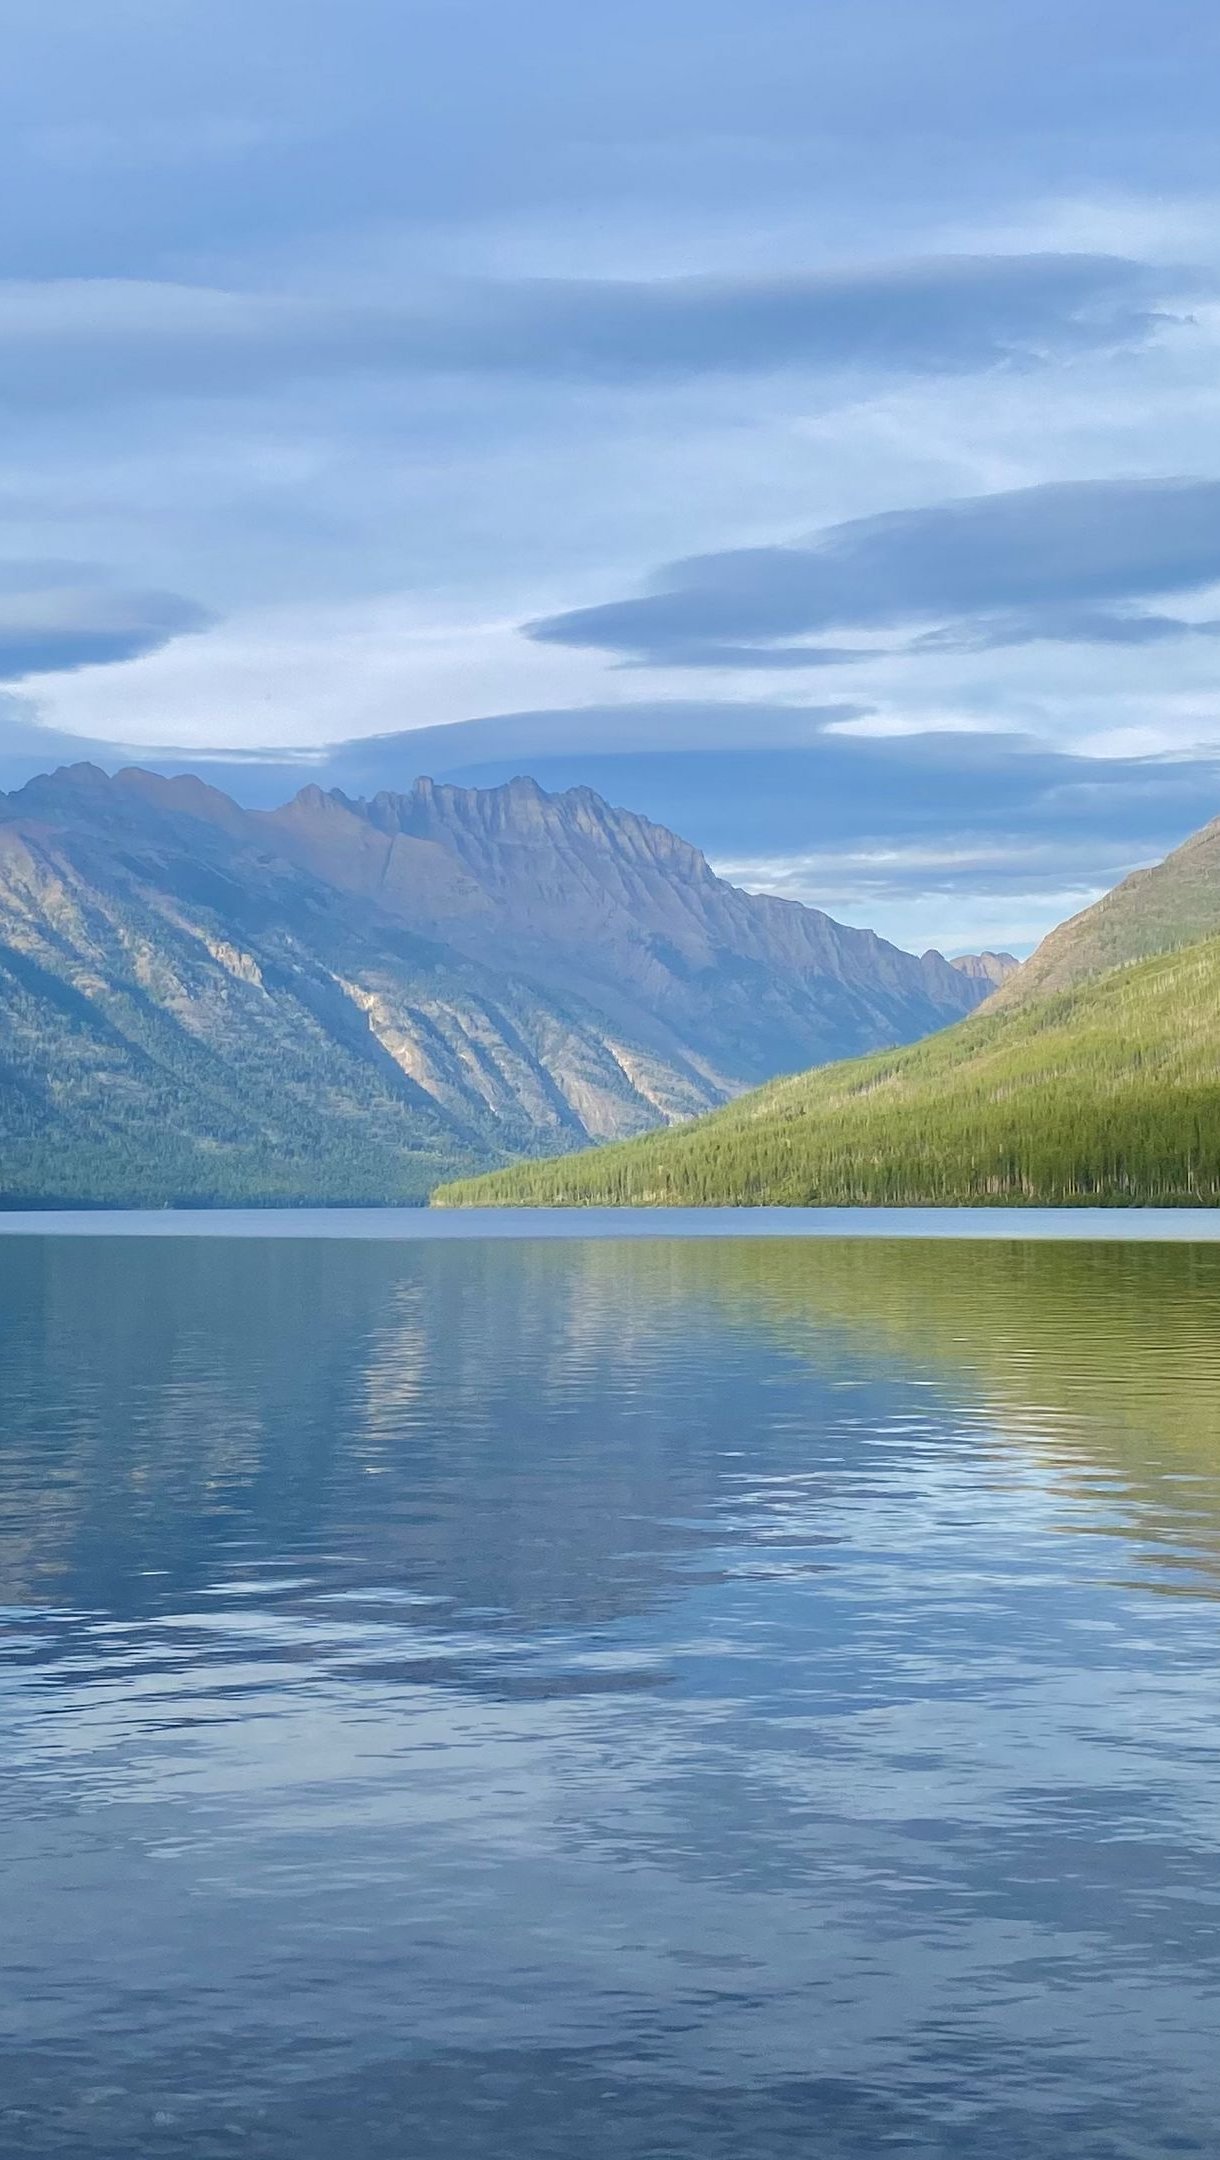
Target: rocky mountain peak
(992,968)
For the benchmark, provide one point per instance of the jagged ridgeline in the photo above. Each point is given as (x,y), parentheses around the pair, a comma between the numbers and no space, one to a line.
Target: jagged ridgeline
(349,1001)
(1106,1093)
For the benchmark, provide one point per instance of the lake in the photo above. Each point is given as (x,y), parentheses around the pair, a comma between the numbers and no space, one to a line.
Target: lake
(494,1697)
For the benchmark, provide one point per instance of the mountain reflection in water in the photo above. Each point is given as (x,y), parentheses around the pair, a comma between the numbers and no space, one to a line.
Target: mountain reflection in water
(718,1698)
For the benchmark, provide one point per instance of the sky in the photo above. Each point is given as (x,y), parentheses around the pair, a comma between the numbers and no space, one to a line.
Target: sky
(798,418)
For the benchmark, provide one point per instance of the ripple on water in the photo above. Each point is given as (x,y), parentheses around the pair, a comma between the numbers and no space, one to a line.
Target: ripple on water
(709,1698)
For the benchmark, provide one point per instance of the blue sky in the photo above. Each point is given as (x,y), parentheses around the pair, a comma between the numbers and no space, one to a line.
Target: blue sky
(801,420)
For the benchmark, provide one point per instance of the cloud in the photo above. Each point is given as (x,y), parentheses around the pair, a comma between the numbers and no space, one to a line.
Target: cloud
(1057,625)
(1068,560)
(748,780)
(958,900)
(623,739)
(61,616)
(843,113)
(88,339)
(711,653)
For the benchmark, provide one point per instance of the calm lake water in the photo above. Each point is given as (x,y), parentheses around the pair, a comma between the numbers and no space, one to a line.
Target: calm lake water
(675,1699)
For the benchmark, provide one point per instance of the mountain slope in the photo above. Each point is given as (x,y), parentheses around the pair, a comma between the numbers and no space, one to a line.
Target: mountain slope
(599,903)
(186,1017)
(1175,903)
(1107,1093)
(198,1003)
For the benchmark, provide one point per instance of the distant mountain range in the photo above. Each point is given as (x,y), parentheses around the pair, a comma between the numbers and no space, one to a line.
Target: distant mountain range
(349,1000)
(1091,1075)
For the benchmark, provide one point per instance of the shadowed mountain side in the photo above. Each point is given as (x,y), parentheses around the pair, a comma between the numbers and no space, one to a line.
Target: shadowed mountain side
(1104,1094)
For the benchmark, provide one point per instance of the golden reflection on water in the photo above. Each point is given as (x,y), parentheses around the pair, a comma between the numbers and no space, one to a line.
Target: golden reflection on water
(1098,1358)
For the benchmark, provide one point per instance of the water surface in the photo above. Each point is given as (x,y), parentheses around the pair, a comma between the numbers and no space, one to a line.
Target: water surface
(1143,1224)
(465,1697)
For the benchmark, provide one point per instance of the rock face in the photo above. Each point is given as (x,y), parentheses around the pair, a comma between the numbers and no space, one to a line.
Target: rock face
(991,968)
(600,903)
(349,1001)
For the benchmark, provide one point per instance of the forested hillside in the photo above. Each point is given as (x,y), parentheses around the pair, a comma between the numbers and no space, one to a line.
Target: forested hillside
(1109,1093)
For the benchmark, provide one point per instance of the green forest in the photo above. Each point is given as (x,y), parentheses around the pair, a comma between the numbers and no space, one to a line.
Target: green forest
(1105,1094)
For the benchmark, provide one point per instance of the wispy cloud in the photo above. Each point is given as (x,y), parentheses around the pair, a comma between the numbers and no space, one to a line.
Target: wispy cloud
(61,616)
(1068,561)
(98,339)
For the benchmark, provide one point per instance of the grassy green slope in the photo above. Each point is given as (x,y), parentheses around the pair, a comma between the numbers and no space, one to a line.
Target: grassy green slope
(1105,1093)
(1174,904)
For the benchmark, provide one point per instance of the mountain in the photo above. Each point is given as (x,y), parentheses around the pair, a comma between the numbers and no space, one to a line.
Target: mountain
(1174,903)
(601,904)
(185,1017)
(992,968)
(347,1001)
(1106,1093)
